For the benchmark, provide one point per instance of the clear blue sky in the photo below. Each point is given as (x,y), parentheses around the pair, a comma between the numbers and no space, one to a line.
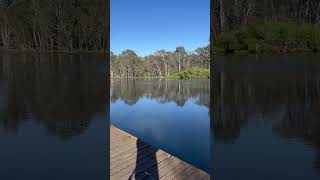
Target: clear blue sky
(146,26)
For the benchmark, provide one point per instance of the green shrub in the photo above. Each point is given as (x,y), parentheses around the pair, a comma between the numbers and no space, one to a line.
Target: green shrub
(269,36)
(193,73)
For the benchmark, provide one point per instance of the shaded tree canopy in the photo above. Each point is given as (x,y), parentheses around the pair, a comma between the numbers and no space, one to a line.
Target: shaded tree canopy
(257,26)
(55,25)
(160,64)
(230,14)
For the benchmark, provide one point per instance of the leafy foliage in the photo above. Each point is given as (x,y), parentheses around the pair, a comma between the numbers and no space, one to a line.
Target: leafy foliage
(261,36)
(193,73)
(160,64)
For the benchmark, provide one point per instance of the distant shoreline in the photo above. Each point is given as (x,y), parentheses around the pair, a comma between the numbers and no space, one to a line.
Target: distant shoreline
(166,78)
(219,52)
(150,78)
(138,78)
(192,73)
(263,36)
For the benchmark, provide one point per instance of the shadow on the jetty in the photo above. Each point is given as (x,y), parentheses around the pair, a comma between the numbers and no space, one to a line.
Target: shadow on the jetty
(146,162)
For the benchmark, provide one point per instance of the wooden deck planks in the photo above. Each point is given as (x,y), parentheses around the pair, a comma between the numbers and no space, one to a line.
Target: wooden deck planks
(131,158)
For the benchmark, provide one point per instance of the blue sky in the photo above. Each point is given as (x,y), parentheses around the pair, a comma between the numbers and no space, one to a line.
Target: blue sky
(146,26)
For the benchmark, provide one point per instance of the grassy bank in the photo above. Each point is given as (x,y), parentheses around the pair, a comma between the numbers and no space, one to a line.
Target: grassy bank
(265,36)
(146,77)
(193,73)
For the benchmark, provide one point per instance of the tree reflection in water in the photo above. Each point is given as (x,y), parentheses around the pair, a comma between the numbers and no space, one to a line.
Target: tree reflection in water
(290,102)
(163,91)
(60,92)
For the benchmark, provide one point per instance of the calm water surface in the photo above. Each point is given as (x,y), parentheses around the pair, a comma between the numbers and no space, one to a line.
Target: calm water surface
(266,124)
(171,115)
(52,116)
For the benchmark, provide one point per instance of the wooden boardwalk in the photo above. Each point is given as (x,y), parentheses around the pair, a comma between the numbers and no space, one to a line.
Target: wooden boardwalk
(130,158)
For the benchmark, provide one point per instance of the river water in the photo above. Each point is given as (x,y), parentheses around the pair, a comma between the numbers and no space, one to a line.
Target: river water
(52,116)
(172,115)
(266,118)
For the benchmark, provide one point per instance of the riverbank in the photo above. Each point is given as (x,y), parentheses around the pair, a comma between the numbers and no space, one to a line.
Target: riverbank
(192,73)
(268,37)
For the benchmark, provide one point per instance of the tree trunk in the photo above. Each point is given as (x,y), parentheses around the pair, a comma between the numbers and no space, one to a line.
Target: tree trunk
(221,16)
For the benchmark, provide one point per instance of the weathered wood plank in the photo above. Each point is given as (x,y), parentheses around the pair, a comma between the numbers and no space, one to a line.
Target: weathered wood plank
(130,158)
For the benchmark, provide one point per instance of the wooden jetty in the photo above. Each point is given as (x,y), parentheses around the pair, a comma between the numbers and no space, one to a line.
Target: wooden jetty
(131,158)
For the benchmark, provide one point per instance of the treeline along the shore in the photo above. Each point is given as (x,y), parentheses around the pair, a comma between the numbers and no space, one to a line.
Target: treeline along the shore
(160,64)
(52,25)
(271,25)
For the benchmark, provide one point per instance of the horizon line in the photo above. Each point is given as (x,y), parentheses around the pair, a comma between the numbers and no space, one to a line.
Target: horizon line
(147,54)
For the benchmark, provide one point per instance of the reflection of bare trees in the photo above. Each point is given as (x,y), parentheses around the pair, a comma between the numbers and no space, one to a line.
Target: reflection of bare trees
(61,92)
(289,102)
(163,91)
(302,122)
